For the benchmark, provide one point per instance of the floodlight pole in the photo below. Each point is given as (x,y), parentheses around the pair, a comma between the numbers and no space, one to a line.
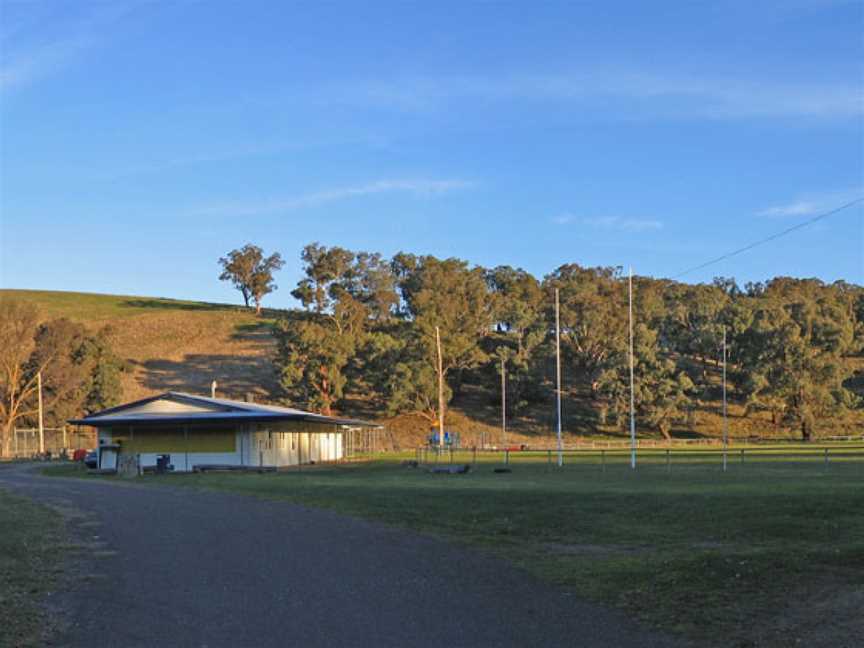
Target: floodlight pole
(41,427)
(558,373)
(632,396)
(503,405)
(440,391)
(725,420)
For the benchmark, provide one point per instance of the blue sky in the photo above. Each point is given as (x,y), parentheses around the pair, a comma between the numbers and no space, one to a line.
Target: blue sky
(139,142)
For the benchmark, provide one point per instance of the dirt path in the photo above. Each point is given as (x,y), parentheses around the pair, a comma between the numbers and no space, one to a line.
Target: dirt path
(177,567)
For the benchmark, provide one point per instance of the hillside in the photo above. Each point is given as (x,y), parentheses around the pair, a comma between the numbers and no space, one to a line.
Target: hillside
(184,345)
(172,344)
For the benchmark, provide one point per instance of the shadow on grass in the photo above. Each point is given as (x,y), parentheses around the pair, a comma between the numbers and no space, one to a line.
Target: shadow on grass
(236,375)
(260,332)
(170,304)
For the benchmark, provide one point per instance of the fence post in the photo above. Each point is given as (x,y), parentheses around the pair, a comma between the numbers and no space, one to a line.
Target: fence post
(826,458)
(474,460)
(668,460)
(742,456)
(548,458)
(507,457)
(451,454)
(603,461)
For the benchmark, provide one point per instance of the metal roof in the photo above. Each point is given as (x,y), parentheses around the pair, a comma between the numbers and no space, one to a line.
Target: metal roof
(220,410)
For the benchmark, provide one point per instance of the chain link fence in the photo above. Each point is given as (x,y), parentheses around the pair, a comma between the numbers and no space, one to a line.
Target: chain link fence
(26,442)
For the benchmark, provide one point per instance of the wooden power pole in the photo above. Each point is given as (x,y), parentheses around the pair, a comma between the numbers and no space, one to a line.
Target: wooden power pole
(41,427)
(503,405)
(440,390)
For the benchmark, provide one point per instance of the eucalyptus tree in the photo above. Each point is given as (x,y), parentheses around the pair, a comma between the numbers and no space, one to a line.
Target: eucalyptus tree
(251,272)
(593,306)
(79,371)
(792,357)
(315,348)
(518,305)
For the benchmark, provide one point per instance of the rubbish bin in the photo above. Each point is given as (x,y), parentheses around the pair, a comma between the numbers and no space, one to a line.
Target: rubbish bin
(163,463)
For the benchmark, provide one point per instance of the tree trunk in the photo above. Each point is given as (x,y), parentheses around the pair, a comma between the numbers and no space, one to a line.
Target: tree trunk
(806,426)
(6,442)
(665,431)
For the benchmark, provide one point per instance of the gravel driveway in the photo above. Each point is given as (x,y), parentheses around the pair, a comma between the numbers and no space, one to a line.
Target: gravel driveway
(176,567)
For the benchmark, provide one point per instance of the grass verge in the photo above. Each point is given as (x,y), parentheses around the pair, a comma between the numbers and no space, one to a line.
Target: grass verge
(769,553)
(30,563)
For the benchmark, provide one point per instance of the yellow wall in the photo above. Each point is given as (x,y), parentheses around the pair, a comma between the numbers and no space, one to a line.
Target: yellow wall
(172,439)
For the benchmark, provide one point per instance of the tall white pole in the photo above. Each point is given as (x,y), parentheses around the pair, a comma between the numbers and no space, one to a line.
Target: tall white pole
(440,391)
(503,405)
(558,374)
(725,420)
(41,428)
(632,391)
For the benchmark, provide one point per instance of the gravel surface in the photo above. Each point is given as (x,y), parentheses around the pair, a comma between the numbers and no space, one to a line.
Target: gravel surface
(177,567)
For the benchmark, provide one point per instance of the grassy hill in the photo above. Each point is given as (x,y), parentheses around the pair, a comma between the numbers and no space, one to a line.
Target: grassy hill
(184,345)
(173,344)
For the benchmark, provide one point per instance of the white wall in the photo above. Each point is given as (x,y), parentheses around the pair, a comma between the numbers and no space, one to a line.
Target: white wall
(278,448)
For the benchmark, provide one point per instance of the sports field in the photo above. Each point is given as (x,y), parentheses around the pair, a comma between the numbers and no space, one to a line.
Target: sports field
(767,553)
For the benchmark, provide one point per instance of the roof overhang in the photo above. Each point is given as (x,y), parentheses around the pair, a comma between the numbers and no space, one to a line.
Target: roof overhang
(200,409)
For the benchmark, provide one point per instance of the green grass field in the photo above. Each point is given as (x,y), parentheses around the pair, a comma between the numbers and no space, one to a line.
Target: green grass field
(31,550)
(771,553)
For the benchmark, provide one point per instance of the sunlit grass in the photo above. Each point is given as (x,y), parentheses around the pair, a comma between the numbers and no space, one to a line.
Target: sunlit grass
(688,548)
(30,557)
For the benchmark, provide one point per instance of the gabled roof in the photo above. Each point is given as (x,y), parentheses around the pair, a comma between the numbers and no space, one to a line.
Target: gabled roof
(178,407)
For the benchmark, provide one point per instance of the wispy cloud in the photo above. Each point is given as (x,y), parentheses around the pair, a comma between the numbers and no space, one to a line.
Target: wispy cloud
(31,51)
(416,187)
(239,151)
(618,91)
(27,66)
(800,208)
(811,204)
(615,223)
(193,159)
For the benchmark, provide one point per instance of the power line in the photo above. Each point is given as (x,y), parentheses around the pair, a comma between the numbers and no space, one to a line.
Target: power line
(768,239)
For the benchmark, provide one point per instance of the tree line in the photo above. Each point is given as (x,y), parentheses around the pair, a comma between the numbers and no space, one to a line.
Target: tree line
(367,328)
(79,371)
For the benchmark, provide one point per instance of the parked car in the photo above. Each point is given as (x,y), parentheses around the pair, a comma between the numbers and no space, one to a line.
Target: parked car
(91,460)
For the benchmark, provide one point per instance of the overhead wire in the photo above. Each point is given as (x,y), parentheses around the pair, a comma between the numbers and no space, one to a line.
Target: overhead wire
(768,239)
